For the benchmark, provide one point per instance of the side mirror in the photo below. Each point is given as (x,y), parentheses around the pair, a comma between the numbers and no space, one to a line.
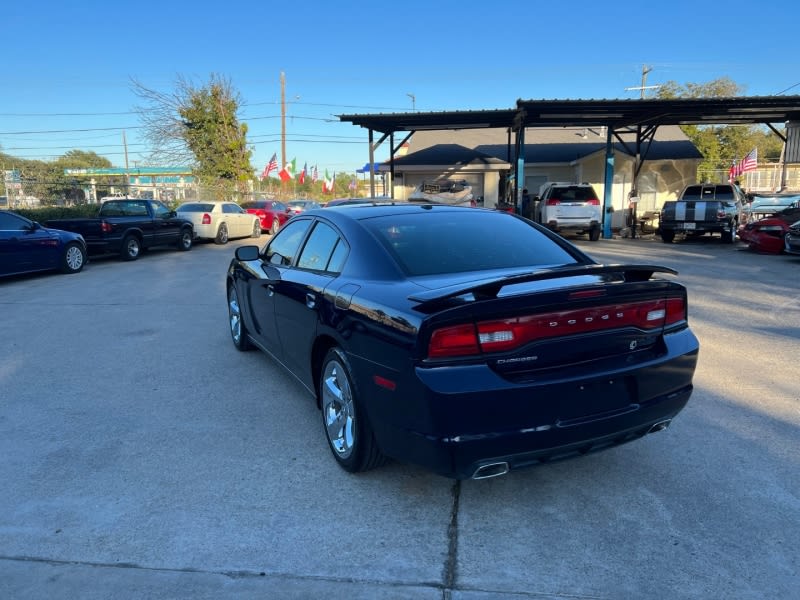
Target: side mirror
(246,253)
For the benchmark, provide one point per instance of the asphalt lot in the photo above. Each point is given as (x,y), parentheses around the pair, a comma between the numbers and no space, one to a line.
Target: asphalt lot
(142,456)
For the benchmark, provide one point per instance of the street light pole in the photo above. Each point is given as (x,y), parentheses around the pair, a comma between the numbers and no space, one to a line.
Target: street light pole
(413,101)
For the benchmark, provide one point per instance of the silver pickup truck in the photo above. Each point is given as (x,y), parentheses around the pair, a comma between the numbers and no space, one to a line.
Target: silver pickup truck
(703,208)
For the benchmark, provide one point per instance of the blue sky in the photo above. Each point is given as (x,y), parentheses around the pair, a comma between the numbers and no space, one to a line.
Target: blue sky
(68,66)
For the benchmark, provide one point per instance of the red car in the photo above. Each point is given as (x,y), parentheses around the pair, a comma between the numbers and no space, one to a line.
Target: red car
(765,235)
(272,213)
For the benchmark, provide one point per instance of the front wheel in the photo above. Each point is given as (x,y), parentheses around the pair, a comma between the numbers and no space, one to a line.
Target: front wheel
(347,429)
(275,226)
(222,234)
(667,236)
(131,248)
(73,259)
(238,330)
(256,229)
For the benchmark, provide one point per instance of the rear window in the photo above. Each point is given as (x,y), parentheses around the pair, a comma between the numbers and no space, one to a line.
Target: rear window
(722,193)
(573,194)
(196,207)
(457,242)
(258,204)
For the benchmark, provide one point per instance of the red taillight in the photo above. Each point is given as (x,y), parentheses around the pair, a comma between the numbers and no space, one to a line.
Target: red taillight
(507,334)
(206,219)
(459,340)
(106,227)
(721,215)
(676,311)
(553,202)
(593,202)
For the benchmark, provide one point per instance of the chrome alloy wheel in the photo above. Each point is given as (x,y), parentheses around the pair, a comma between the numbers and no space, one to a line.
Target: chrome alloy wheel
(74,258)
(338,410)
(235,315)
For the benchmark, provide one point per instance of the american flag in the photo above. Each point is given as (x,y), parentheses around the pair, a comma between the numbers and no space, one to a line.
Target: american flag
(314,174)
(270,166)
(749,162)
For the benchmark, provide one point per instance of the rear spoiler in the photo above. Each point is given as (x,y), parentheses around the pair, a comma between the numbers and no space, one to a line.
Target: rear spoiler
(489,288)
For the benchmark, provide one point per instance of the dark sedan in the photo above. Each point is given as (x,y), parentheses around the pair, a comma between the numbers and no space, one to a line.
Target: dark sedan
(792,239)
(26,247)
(425,339)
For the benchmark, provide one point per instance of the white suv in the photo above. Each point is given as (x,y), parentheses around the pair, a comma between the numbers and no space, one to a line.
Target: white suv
(569,207)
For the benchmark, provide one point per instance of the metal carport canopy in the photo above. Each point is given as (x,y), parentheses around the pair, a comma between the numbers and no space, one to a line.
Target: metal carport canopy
(640,115)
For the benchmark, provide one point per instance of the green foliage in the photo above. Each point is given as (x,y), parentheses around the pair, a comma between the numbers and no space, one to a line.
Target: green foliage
(46,179)
(199,124)
(720,145)
(59,212)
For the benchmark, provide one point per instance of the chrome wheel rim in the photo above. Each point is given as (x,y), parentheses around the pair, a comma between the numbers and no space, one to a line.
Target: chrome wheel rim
(133,247)
(74,258)
(223,234)
(235,315)
(187,240)
(338,410)
(257,229)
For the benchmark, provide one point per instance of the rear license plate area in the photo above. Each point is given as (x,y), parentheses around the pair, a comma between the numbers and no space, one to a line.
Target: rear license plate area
(595,397)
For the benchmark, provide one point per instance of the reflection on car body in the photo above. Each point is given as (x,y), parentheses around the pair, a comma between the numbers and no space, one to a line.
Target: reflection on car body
(426,340)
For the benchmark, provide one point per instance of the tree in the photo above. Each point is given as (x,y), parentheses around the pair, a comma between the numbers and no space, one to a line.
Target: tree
(198,125)
(720,145)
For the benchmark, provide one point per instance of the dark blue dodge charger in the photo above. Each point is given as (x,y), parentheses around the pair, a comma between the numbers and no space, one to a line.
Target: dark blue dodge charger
(468,341)
(26,247)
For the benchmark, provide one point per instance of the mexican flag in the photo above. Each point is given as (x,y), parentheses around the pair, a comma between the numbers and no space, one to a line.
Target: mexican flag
(287,172)
(327,183)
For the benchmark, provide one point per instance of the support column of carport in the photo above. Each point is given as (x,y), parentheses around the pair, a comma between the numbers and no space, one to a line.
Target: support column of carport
(608,187)
(519,175)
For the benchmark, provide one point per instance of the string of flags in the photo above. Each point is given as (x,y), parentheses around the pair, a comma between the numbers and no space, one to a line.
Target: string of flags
(289,172)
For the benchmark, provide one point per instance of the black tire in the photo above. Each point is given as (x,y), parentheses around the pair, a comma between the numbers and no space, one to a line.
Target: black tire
(256,229)
(346,426)
(222,234)
(275,226)
(667,236)
(235,322)
(73,259)
(186,240)
(131,247)
(594,234)
(729,237)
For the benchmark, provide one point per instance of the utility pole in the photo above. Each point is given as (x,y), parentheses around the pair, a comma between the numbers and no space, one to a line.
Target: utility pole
(413,101)
(645,71)
(127,175)
(283,120)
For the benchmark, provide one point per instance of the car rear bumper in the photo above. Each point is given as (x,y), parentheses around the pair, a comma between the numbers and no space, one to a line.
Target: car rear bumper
(473,418)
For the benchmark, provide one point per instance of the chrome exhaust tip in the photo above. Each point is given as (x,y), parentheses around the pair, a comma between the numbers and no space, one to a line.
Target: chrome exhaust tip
(491,470)
(660,426)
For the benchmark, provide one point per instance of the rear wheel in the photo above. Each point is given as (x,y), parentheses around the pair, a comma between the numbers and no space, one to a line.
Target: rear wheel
(238,330)
(667,236)
(131,247)
(275,226)
(222,234)
(256,229)
(186,240)
(594,234)
(73,259)
(347,429)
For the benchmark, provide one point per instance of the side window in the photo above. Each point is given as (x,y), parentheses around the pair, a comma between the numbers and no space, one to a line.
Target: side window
(283,248)
(319,248)
(159,210)
(9,222)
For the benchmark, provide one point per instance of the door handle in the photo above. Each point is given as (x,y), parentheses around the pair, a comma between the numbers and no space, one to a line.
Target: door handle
(311,300)
(270,290)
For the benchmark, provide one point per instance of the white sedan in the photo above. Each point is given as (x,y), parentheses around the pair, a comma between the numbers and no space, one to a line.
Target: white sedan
(220,221)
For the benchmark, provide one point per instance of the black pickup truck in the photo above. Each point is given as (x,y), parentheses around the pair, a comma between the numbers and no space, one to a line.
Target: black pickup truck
(127,227)
(703,208)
